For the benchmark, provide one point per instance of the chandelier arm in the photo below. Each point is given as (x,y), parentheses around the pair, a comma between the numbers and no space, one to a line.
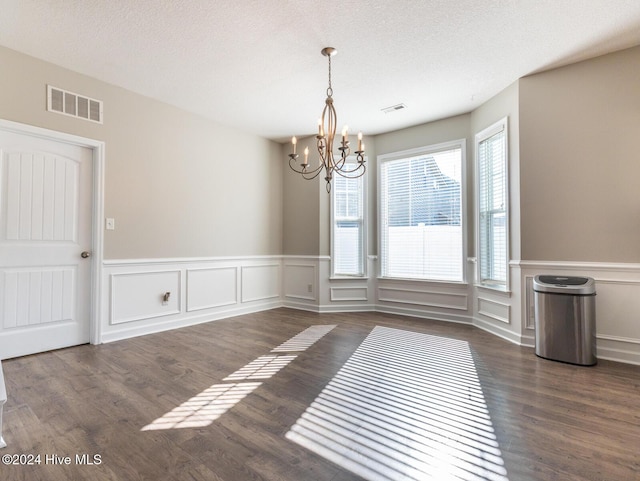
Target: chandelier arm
(344,153)
(340,165)
(309,174)
(348,174)
(315,171)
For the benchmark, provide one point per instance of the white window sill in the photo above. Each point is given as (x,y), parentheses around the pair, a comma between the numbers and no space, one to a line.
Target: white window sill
(494,288)
(424,281)
(348,278)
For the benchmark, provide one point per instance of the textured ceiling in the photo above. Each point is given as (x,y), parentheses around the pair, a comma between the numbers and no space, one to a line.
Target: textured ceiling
(256,64)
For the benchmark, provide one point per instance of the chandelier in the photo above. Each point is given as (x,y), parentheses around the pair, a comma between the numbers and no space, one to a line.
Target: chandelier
(324,140)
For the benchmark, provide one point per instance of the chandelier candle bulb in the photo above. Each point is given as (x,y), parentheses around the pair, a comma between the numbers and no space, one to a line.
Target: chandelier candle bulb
(306,157)
(294,141)
(360,149)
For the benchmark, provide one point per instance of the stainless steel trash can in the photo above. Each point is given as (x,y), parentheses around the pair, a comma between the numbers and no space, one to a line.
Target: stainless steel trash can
(565,310)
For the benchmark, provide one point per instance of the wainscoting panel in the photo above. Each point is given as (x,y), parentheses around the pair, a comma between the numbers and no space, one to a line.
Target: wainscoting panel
(530,313)
(433,300)
(201,290)
(618,309)
(493,309)
(427,298)
(345,293)
(140,295)
(260,282)
(212,287)
(300,281)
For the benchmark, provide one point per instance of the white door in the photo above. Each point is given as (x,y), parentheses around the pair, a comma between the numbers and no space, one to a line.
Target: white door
(45,226)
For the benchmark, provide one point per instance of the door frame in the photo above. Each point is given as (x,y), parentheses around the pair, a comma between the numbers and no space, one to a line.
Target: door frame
(97,212)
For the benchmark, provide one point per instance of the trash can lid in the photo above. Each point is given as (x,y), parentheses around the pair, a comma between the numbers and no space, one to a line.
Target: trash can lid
(564,285)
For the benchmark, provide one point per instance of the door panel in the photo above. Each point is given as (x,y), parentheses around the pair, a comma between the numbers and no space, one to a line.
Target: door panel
(45,224)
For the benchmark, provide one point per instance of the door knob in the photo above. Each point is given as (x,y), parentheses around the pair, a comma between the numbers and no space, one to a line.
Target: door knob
(85,254)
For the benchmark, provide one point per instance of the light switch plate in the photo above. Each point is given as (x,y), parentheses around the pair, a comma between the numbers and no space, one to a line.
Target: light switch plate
(110,223)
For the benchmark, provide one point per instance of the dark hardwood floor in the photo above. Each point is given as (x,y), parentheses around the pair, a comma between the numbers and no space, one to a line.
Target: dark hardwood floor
(377,397)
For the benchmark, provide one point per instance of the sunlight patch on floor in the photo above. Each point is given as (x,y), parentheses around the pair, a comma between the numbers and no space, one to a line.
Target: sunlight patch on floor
(262,368)
(405,406)
(305,339)
(204,408)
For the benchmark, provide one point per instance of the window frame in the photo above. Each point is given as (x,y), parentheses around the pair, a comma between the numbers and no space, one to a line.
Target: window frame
(501,125)
(426,150)
(364,227)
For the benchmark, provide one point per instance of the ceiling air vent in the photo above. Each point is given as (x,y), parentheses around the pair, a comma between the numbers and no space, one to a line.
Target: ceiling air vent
(394,108)
(74,105)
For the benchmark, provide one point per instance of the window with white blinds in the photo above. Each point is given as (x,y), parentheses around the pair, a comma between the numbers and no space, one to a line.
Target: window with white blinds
(348,226)
(421,213)
(492,205)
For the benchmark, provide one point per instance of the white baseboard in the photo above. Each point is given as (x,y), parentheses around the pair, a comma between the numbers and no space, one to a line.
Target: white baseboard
(161,325)
(348,308)
(498,330)
(618,355)
(301,306)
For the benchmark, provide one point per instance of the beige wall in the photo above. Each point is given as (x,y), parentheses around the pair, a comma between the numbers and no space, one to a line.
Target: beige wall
(452,128)
(301,205)
(177,184)
(580,168)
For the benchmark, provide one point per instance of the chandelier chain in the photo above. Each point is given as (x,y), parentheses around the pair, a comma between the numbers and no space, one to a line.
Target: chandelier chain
(330,89)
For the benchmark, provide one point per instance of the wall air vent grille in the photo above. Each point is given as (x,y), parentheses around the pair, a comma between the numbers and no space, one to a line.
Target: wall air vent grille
(74,105)
(394,108)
